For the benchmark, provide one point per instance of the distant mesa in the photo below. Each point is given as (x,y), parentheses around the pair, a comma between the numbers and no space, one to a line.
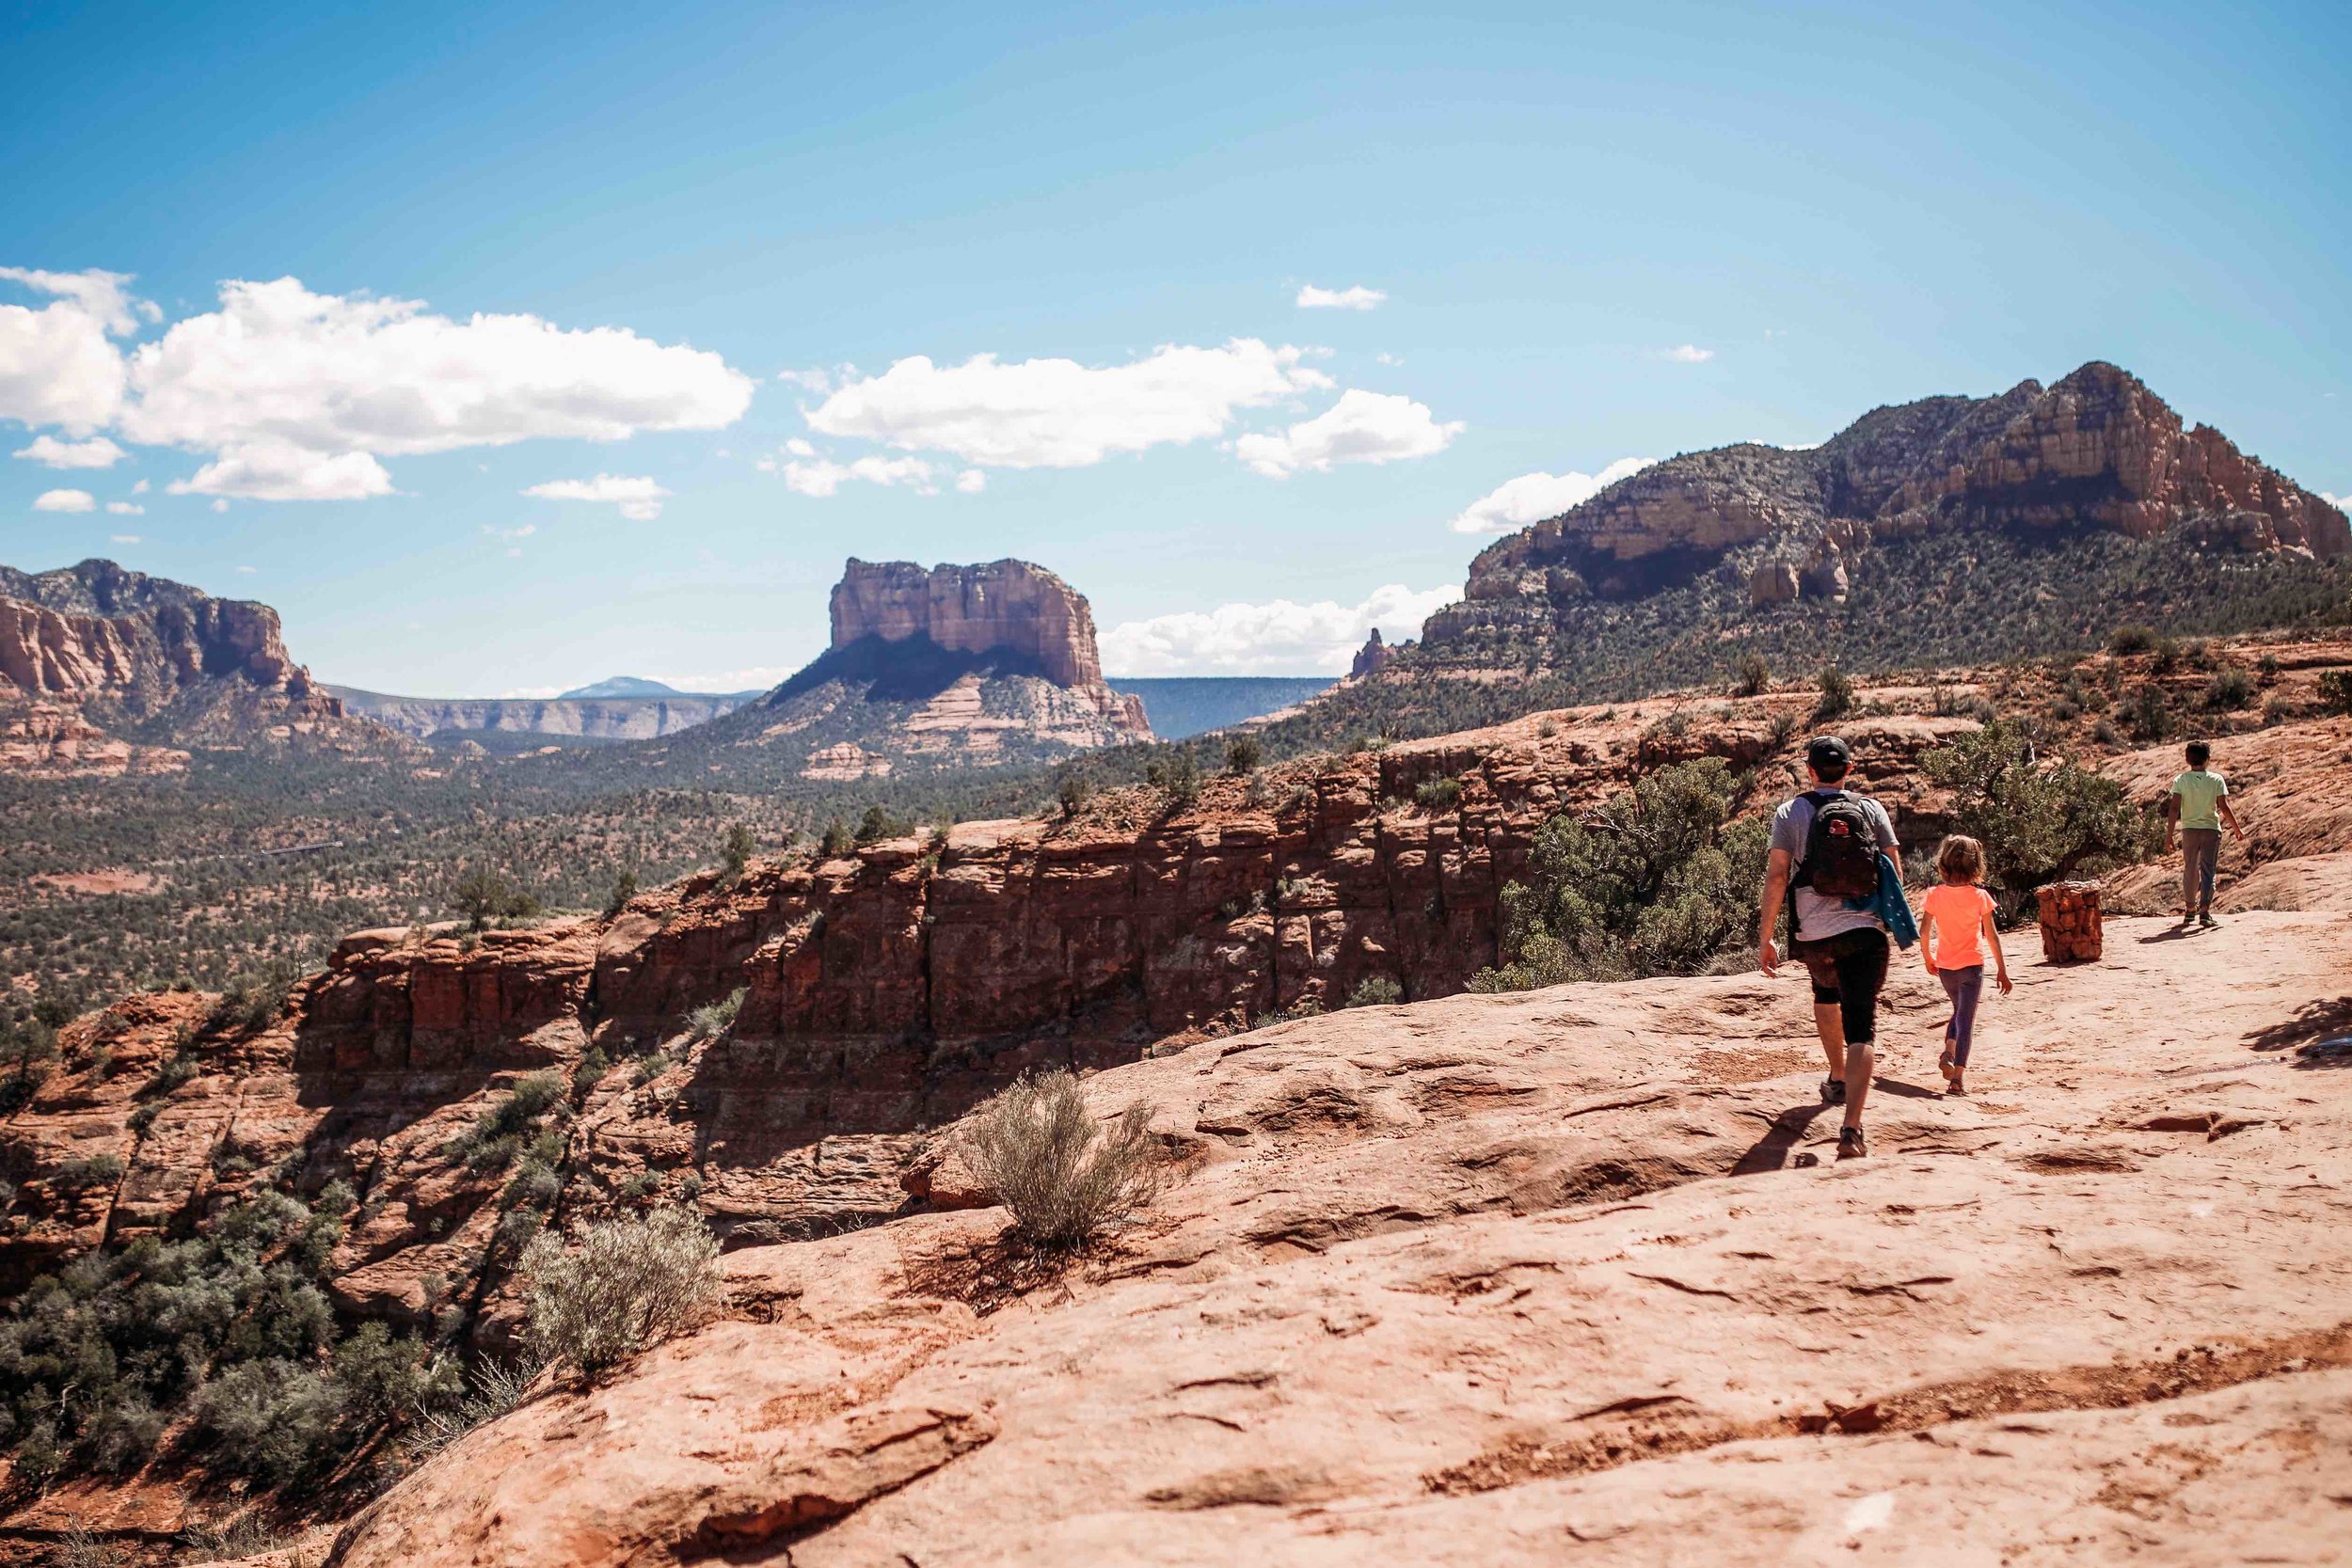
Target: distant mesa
(629,686)
(2098,450)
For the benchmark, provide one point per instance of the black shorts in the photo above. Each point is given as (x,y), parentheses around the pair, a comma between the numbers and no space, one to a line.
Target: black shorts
(1849,969)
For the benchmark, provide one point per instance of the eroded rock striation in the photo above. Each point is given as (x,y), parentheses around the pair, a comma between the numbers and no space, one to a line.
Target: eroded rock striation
(2098,450)
(1005,604)
(89,646)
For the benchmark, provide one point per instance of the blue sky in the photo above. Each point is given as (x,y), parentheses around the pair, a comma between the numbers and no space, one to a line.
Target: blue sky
(1599,233)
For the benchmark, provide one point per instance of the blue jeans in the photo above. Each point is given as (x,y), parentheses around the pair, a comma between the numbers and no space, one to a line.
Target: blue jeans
(1964,987)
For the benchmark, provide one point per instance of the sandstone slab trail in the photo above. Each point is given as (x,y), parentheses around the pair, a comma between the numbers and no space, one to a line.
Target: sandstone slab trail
(1568,1274)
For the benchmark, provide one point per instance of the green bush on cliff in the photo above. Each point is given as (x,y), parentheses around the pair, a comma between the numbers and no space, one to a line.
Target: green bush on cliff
(1658,882)
(2039,822)
(1066,1175)
(628,1284)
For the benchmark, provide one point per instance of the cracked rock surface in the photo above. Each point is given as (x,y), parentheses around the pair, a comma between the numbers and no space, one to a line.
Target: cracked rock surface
(1505,1280)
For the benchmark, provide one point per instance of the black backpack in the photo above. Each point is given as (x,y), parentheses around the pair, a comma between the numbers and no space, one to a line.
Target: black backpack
(1841,847)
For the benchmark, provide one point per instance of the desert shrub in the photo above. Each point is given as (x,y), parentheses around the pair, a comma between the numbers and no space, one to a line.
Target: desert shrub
(2335,691)
(629,1283)
(590,1071)
(533,1185)
(497,1135)
(2147,714)
(623,888)
(123,1432)
(1439,793)
(2037,823)
(734,849)
(383,1378)
(878,824)
(649,1068)
(252,1001)
(1065,1177)
(1837,690)
(2229,690)
(1074,791)
(497,1388)
(483,894)
(1375,990)
(1755,678)
(2125,641)
(713,1019)
(837,841)
(1242,753)
(1176,776)
(272,1419)
(1658,882)
(91,1170)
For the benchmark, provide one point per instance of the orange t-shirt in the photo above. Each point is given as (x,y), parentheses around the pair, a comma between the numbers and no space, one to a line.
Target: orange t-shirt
(1949,918)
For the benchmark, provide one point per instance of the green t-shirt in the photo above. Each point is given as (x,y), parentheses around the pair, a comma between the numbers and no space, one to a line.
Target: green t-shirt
(2199,788)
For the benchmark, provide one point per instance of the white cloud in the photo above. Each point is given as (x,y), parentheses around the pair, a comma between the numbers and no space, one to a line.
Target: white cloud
(56,366)
(1385,357)
(124,538)
(525,531)
(283,471)
(1355,298)
(972,481)
(1057,413)
(2339,502)
(798,448)
(65,501)
(140,488)
(638,498)
(822,477)
(1361,427)
(247,571)
(126,509)
(334,373)
(817,381)
(1277,637)
(1532,497)
(220,506)
(1690,354)
(96,453)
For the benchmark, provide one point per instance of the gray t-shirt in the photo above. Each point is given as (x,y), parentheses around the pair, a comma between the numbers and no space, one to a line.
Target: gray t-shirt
(1817,916)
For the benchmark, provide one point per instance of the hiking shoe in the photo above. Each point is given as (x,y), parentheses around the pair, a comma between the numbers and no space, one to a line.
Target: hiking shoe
(1833,1091)
(1851,1143)
(2204,918)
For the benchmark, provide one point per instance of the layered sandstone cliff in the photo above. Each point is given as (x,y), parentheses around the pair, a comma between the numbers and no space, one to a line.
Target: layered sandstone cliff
(109,643)
(2097,450)
(1007,605)
(1515,1214)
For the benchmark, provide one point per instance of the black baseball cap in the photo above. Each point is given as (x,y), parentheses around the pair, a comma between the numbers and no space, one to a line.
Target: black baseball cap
(1827,755)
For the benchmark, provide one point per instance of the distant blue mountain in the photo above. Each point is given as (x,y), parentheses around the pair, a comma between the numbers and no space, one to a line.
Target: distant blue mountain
(627,686)
(1181,706)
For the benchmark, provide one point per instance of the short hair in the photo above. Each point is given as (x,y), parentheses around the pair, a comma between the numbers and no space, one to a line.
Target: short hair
(2199,753)
(1959,858)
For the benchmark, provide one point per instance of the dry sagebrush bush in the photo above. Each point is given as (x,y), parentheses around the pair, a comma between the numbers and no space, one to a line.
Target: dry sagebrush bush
(629,1283)
(1065,1176)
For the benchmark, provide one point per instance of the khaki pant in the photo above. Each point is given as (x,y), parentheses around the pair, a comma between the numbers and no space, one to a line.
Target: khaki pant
(2201,852)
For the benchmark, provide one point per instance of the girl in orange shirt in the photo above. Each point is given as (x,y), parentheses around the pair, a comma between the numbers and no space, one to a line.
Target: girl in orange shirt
(1954,918)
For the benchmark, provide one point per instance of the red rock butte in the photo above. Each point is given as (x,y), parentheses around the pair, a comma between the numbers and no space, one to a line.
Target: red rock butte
(1008,605)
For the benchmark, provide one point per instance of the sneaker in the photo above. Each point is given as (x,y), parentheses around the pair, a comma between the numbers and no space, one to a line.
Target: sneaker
(1851,1145)
(2205,919)
(1833,1091)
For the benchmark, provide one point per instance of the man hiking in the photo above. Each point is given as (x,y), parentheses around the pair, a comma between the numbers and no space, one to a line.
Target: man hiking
(1826,844)
(2198,806)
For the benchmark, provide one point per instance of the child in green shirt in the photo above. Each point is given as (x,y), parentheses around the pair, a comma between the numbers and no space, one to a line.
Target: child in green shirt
(2198,806)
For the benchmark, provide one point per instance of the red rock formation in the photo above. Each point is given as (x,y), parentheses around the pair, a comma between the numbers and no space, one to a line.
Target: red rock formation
(1004,604)
(1376,654)
(2098,448)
